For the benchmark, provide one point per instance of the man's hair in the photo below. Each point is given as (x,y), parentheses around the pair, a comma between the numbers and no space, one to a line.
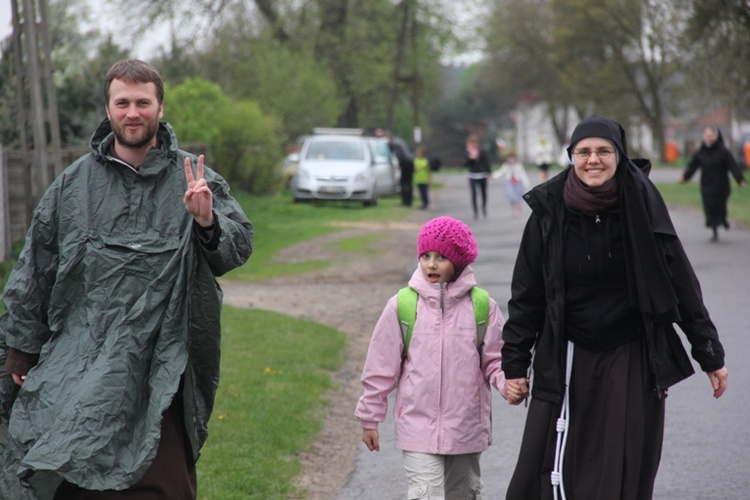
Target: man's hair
(134,71)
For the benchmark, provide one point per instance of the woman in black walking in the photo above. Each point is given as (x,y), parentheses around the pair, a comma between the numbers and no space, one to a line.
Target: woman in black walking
(716,163)
(478,163)
(600,279)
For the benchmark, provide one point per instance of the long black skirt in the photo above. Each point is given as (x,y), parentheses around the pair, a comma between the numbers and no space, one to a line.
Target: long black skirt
(715,208)
(615,433)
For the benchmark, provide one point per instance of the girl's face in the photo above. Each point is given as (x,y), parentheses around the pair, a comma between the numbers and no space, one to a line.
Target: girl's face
(436,267)
(594,160)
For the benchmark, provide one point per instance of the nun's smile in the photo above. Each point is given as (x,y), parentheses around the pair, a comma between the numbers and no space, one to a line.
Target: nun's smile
(594,160)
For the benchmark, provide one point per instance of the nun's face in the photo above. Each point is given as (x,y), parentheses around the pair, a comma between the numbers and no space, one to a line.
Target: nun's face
(594,160)
(709,136)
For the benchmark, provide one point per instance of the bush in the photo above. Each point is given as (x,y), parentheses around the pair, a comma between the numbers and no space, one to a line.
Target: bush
(249,148)
(245,145)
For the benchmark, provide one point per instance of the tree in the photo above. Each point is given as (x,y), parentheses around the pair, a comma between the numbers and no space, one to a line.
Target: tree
(244,144)
(194,108)
(720,33)
(80,60)
(80,93)
(248,149)
(525,62)
(615,57)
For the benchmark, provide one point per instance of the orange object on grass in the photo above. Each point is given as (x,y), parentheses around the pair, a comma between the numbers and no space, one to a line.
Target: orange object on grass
(671,151)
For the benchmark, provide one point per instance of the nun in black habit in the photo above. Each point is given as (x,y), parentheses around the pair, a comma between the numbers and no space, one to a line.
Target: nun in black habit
(600,279)
(716,163)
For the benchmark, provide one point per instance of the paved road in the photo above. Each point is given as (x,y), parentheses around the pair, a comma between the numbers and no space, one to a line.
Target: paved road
(706,453)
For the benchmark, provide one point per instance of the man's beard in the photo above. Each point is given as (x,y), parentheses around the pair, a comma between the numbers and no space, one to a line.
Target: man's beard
(135,141)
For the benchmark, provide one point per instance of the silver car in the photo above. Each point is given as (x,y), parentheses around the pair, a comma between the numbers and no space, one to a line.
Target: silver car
(344,166)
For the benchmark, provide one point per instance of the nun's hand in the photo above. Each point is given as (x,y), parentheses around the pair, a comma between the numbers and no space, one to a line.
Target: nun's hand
(718,381)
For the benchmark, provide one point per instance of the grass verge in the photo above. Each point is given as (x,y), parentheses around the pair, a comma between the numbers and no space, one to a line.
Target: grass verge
(269,406)
(279,223)
(689,195)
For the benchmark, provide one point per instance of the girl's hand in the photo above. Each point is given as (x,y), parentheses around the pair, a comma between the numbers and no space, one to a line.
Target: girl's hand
(516,390)
(371,439)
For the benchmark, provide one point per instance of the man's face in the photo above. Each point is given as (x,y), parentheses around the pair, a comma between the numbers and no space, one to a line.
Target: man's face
(134,113)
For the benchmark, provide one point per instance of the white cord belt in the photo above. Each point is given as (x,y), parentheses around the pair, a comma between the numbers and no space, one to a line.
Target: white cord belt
(562,431)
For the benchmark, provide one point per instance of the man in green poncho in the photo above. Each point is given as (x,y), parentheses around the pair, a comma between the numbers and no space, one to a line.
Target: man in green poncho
(110,337)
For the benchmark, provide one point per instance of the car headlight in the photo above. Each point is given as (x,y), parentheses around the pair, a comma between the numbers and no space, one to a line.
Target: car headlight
(303,174)
(361,178)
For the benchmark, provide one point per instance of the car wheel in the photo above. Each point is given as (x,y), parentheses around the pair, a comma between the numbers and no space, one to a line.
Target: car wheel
(371,202)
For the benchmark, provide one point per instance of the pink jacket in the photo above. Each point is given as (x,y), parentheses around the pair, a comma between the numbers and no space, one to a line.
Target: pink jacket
(443,399)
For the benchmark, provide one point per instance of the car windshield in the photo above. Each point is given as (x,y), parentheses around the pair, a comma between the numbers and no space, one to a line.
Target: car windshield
(380,150)
(335,150)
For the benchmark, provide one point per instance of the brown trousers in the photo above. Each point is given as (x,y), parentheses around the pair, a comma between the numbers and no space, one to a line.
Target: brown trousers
(171,474)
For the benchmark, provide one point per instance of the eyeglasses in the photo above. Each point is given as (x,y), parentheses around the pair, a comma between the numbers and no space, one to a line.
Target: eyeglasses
(603,153)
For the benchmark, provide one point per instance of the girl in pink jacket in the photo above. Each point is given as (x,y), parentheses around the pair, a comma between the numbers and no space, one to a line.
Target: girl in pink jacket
(442,408)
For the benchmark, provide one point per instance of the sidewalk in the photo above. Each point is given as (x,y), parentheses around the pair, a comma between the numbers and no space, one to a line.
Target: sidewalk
(706,441)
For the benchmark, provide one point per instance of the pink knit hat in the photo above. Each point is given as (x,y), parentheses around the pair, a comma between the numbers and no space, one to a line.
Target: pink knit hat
(450,237)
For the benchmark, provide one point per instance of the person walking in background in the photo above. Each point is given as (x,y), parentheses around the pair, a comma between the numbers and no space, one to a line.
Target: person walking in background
(111,330)
(543,158)
(406,165)
(516,182)
(600,278)
(422,176)
(443,402)
(716,163)
(478,163)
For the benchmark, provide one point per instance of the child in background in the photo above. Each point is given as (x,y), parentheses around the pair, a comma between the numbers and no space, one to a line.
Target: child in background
(422,176)
(516,182)
(442,408)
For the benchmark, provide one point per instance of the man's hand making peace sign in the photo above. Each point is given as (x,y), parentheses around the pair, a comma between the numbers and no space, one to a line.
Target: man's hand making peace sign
(198,197)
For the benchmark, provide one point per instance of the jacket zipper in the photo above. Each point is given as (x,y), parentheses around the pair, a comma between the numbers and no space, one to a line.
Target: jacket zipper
(599,269)
(440,389)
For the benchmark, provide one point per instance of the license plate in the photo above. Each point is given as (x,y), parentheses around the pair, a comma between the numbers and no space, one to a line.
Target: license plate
(331,190)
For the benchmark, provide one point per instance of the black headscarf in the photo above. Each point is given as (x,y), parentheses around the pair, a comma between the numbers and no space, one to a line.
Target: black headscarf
(646,223)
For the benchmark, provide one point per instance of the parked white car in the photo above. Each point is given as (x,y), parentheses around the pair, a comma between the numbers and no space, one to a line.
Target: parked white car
(343,164)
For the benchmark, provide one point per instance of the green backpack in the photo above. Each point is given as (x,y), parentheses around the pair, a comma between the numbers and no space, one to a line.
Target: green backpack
(407,313)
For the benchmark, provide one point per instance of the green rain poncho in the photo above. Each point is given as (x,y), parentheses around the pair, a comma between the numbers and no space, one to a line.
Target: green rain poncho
(117,295)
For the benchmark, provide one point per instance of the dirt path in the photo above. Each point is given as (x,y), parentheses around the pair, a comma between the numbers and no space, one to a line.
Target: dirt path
(348,296)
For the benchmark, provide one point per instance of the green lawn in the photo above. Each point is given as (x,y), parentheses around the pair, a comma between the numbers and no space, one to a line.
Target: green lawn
(279,223)
(689,195)
(269,407)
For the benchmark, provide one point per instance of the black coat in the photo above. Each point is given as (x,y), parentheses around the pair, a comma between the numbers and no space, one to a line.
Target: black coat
(537,305)
(479,165)
(716,163)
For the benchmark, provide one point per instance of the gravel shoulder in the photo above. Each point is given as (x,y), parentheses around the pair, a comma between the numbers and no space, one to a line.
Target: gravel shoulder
(350,297)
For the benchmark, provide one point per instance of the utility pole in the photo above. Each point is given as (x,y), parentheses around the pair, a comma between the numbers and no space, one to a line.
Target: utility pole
(416,83)
(37,99)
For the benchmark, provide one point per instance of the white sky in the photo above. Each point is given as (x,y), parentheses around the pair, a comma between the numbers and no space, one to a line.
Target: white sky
(6,28)
(147,45)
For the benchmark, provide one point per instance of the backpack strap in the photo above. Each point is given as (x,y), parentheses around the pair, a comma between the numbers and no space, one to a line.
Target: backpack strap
(480,298)
(407,315)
